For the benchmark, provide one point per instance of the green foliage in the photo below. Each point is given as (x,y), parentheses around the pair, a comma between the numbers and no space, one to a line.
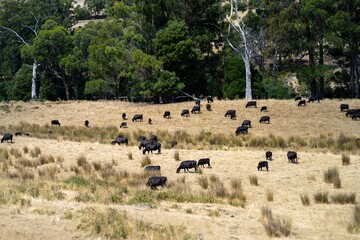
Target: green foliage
(96,88)
(276,89)
(21,88)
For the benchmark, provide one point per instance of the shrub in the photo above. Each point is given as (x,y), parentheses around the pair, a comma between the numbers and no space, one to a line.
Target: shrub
(354,225)
(344,198)
(305,199)
(16,153)
(321,197)
(145,161)
(269,195)
(81,161)
(130,155)
(345,159)
(332,176)
(97,166)
(35,152)
(25,149)
(253,180)
(276,226)
(176,156)
(203,182)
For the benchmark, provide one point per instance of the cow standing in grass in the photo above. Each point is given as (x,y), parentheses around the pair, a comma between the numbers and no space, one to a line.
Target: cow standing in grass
(186,165)
(155,181)
(7,137)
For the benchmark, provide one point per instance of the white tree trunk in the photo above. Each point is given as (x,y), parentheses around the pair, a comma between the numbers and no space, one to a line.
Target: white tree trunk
(33,82)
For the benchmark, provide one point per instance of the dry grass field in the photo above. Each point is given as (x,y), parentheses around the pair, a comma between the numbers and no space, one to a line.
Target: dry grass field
(69,182)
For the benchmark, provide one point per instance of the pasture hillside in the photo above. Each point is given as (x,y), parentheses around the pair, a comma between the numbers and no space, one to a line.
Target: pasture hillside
(69,182)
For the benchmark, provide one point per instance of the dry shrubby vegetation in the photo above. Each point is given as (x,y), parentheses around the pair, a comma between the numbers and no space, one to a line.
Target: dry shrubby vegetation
(78,167)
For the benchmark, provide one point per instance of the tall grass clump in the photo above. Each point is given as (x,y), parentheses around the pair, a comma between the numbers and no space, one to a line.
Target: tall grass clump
(81,161)
(269,195)
(145,161)
(35,152)
(321,197)
(275,226)
(345,159)
(203,182)
(25,149)
(305,200)
(237,196)
(332,176)
(176,156)
(253,180)
(344,198)
(15,152)
(354,225)
(130,155)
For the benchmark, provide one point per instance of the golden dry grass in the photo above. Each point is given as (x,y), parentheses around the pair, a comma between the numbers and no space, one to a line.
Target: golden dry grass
(232,164)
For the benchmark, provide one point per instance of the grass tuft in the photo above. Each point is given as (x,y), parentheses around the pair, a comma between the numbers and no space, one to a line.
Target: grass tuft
(253,180)
(176,156)
(305,200)
(203,182)
(344,198)
(275,226)
(321,197)
(269,195)
(146,160)
(354,225)
(345,159)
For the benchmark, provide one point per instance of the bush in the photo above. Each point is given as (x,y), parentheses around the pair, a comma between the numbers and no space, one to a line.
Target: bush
(321,197)
(345,159)
(253,180)
(305,199)
(276,226)
(145,161)
(354,225)
(344,198)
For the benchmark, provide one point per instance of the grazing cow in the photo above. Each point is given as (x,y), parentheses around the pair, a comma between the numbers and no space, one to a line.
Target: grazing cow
(314,98)
(195,109)
(173,143)
(250,104)
(263,164)
(137,117)
(123,115)
(167,114)
(265,119)
(185,113)
(246,123)
(351,112)
(123,125)
(344,107)
(297,98)
(355,116)
(208,106)
(292,157)
(55,122)
(121,139)
(150,121)
(209,99)
(7,137)
(18,134)
(231,114)
(27,134)
(156,181)
(268,155)
(143,143)
(150,147)
(86,123)
(241,129)
(186,165)
(263,109)
(203,161)
(140,138)
(301,103)
(197,102)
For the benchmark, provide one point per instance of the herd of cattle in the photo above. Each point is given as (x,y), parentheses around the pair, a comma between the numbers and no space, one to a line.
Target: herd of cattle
(152,144)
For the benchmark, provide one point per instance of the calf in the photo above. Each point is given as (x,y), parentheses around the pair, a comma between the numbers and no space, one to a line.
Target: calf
(121,139)
(123,125)
(185,113)
(265,119)
(186,165)
(301,103)
(314,98)
(167,114)
(86,123)
(208,106)
(137,117)
(231,114)
(268,155)
(209,99)
(55,122)
(344,107)
(263,109)
(241,129)
(156,181)
(150,147)
(292,157)
(251,104)
(204,161)
(123,115)
(7,137)
(263,164)
(246,123)
(195,109)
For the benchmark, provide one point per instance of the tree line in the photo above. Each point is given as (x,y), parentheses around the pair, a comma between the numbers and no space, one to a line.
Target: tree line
(161,48)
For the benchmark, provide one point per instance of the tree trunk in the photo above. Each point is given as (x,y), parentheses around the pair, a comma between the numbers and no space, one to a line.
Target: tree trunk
(33,81)
(248,92)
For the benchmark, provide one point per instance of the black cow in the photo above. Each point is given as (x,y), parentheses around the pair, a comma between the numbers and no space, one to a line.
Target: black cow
(156,181)
(344,107)
(231,114)
(86,123)
(186,165)
(355,116)
(18,134)
(140,138)
(143,143)
(123,115)
(150,121)
(301,103)
(265,119)
(197,102)
(153,138)
(167,114)
(351,112)
(123,125)
(246,123)
(292,156)
(263,164)
(268,155)
(208,106)
(150,147)
(204,161)
(137,117)
(173,143)
(195,109)
(7,137)
(55,122)
(241,129)
(263,109)
(297,98)
(250,104)
(152,168)
(185,113)
(209,99)
(121,139)
(314,98)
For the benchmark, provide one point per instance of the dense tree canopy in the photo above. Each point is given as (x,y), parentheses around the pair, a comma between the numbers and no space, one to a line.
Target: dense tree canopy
(161,48)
